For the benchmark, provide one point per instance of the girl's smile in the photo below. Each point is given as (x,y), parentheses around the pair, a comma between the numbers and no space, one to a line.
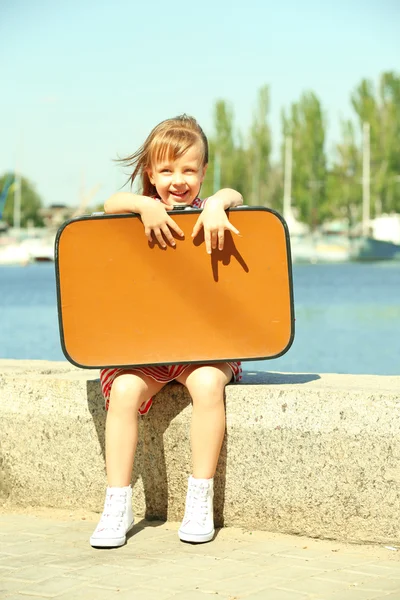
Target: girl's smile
(178,181)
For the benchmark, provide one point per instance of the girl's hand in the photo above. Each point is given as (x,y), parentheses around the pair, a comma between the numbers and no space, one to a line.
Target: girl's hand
(157,221)
(215,222)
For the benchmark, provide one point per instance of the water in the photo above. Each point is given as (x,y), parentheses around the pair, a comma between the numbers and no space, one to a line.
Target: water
(347,318)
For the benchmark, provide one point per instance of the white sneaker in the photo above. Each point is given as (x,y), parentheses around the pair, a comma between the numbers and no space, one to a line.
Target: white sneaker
(198,522)
(116,520)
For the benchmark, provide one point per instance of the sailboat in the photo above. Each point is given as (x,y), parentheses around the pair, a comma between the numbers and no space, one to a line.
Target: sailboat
(307,247)
(21,246)
(380,239)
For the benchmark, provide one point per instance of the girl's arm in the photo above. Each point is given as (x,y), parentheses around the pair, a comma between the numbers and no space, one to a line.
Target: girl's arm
(229,198)
(214,218)
(153,214)
(125,202)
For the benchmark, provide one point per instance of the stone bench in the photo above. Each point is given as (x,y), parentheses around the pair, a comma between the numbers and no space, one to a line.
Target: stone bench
(310,454)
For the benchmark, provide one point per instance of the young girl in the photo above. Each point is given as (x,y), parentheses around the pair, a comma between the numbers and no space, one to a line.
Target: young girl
(172,164)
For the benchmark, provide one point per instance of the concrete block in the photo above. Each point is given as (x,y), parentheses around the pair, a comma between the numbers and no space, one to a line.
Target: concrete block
(311,454)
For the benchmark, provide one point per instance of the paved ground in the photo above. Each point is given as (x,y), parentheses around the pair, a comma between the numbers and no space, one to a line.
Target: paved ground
(46,554)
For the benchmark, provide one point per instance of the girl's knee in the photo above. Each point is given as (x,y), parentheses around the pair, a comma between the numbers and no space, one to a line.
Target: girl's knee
(207,385)
(126,393)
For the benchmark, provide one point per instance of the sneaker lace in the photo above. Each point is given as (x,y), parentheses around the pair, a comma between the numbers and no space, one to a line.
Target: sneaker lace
(113,512)
(196,504)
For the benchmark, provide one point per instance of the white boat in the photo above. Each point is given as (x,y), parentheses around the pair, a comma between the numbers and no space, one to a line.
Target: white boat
(14,254)
(319,249)
(15,250)
(39,249)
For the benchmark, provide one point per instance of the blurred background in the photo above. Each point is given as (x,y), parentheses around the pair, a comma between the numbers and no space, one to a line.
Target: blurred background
(301,105)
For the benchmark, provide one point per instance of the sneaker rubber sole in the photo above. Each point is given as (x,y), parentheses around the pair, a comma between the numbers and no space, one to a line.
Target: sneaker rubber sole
(110,542)
(200,538)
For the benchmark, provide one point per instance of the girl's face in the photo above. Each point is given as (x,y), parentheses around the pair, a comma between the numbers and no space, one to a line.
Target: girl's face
(178,181)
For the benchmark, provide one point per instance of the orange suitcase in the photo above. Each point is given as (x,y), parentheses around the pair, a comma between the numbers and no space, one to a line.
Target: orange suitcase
(123,301)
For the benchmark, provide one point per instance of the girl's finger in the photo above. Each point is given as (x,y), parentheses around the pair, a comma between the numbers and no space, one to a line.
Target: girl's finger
(221,237)
(207,239)
(232,228)
(159,237)
(171,223)
(214,239)
(168,235)
(197,227)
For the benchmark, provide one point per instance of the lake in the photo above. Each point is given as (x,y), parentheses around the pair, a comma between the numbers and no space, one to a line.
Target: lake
(347,318)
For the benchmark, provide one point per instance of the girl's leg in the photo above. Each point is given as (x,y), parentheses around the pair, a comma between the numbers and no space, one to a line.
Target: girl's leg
(206,385)
(128,392)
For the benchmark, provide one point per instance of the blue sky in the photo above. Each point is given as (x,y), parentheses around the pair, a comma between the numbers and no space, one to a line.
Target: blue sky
(85,81)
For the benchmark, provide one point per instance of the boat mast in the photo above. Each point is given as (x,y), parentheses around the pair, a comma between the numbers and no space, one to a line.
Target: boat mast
(217,172)
(366,179)
(17,201)
(17,188)
(287,183)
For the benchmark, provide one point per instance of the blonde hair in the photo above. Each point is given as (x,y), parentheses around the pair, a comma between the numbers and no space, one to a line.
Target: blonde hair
(169,140)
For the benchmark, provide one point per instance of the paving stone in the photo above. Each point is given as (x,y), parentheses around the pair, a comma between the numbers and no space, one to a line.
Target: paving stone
(352,577)
(384,585)
(34,573)
(137,564)
(155,565)
(178,581)
(327,565)
(70,563)
(33,558)
(11,585)
(351,594)
(11,539)
(41,546)
(141,594)
(290,572)
(314,585)
(239,586)
(22,597)
(275,594)
(306,554)
(54,586)
(196,595)
(125,580)
(86,593)
(380,571)
(275,561)
(373,584)
(96,572)
(6,572)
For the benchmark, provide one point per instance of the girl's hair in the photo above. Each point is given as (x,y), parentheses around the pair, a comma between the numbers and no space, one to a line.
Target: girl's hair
(169,140)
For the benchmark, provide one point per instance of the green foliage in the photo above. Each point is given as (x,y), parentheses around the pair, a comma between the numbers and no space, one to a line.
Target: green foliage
(31,203)
(222,150)
(239,162)
(381,109)
(319,193)
(344,180)
(306,126)
(259,149)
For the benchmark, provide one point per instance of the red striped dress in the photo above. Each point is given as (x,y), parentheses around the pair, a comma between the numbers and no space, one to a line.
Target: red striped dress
(161,373)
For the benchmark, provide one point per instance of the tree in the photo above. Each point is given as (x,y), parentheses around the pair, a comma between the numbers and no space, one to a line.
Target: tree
(274,188)
(31,203)
(381,109)
(344,189)
(221,168)
(306,125)
(259,150)
(241,162)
